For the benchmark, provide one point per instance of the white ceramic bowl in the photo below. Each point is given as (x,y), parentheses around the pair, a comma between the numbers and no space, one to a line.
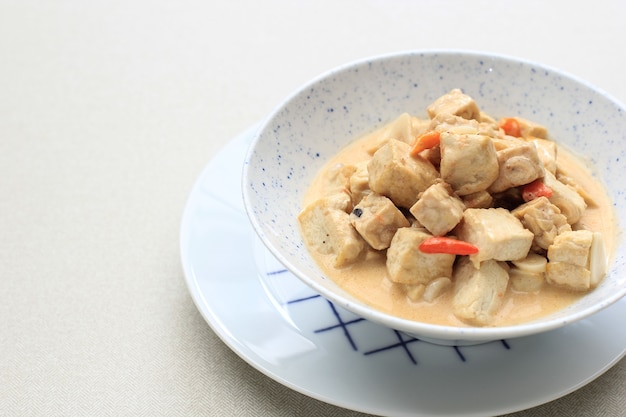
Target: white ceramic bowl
(342,104)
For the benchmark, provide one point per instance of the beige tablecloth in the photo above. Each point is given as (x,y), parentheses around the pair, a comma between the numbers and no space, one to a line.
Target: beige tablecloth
(109,110)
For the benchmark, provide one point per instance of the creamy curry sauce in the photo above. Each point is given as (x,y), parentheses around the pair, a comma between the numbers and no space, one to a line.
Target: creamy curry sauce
(368,281)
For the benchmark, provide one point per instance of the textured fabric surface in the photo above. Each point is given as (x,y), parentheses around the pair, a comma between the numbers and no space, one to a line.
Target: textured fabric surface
(108,113)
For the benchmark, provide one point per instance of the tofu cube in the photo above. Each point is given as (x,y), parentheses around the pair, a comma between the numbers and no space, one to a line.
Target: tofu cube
(469,162)
(327,230)
(573,277)
(406,264)
(546,150)
(377,219)
(571,204)
(543,219)
(444,122)
(398,176)
(456,103)
(569,260)
(478,293)
(497,233)
(438,209)
(571,247)
(518,165)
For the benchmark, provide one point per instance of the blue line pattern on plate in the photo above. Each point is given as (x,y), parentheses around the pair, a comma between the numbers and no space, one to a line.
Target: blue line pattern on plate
(345,321)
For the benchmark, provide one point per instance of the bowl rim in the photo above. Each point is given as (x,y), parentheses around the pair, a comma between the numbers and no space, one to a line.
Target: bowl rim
(417,328)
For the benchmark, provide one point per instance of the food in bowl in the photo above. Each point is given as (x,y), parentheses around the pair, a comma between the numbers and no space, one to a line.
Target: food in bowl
(460,218)
(319,119)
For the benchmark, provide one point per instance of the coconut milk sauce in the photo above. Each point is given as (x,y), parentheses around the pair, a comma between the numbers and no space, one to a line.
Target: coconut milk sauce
(367,280)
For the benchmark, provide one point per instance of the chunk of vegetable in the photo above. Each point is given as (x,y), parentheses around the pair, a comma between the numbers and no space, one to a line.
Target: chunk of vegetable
(597,259)
(535,190)
(426,141)
(511,126)
(532,263)
(442,244)
(527,275)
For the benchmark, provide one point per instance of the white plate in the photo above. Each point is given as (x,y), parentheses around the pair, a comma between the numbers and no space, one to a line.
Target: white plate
(283,329)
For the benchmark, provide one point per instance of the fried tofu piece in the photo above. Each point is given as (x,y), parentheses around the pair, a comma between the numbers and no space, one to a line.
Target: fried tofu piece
(546,150)
(406,264)
(571,247)
(567,275)
(518,165)
(497,233)
(469,163)
(438,209)
(456,103)
(327,230)
(377,219)
(543,219)
(443,122)
(571,204)
(569,260)
(478,293)
(398,176)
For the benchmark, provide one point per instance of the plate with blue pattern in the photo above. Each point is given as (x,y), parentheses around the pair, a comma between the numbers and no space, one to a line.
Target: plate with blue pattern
(285,330)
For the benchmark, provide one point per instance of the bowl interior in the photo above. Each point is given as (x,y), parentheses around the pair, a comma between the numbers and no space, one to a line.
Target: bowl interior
(345,103)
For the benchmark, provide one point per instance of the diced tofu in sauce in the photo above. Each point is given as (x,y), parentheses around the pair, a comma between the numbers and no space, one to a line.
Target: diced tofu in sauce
(438,209)
(478,292)
(469,162)
(398,176)
(569,259)
(456,103)
(406,264)
(543,219)
(496,233)
(468,187)
(327,230)
(377,219)
(518,165)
